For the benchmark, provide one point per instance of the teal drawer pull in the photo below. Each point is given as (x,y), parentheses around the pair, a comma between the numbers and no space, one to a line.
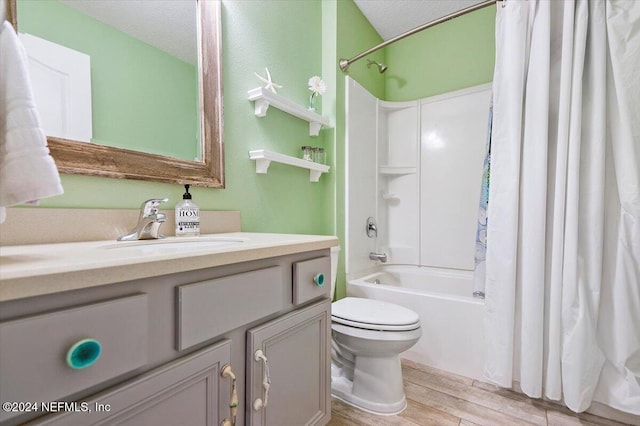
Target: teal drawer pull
(319,279)
(83,354)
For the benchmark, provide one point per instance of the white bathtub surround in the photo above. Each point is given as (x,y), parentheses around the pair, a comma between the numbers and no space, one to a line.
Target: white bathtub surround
(562,293)
(453,131)
(419,180)
(452,320)
(360,188)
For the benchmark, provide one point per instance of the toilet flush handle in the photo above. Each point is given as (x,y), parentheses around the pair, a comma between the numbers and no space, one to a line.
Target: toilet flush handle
(266,380)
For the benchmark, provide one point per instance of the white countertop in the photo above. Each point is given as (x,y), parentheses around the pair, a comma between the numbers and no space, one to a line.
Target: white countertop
(34,270)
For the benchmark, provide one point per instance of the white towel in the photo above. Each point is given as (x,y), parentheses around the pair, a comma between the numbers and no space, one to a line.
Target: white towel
(27,171)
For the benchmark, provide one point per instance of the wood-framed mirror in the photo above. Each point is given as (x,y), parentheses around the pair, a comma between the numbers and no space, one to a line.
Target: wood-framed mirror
(74,157)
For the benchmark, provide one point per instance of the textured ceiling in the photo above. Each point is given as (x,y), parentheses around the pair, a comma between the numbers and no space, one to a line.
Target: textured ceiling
(171,25)
(167,25)
(393,17)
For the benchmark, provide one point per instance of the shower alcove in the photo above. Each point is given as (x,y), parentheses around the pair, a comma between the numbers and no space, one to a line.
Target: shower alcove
(416,167)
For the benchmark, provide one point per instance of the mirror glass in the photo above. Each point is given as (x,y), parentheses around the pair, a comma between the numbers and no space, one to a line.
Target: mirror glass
(115,79)
(115,73)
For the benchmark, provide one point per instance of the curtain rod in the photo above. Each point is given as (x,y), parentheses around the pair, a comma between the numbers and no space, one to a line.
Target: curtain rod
(344,63)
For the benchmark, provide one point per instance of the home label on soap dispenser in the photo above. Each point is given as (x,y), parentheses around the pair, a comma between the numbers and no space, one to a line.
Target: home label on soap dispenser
(187,216)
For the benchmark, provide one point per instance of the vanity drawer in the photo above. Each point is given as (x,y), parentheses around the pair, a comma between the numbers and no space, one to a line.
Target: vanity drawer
(34,350)
(210,308)
(186,391)
(311,279)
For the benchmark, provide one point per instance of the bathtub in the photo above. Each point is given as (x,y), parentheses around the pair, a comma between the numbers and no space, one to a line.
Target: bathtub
(452,320)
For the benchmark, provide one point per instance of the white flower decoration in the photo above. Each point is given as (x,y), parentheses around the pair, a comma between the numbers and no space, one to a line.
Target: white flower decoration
(317,86)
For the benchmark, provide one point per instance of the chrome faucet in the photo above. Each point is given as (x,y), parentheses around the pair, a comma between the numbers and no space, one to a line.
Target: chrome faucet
(382,257)
(148,227)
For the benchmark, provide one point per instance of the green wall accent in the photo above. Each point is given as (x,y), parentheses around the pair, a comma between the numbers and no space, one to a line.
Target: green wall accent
(329,64)
(286,37)
(142,97)
(356,34)
(450,56)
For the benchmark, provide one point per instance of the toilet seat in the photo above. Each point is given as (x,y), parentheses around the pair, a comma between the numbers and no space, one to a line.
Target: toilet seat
(375,327)
(371,314)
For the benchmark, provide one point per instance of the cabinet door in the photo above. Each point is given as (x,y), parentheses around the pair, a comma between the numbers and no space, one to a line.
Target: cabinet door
(297,348)
(188,391)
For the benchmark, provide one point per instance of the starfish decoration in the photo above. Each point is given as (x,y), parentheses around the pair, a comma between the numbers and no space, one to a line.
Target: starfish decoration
(270,85)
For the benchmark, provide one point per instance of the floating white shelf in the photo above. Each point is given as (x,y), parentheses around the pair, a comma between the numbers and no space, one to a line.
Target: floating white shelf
(264,158)
(264,98)
(397,170)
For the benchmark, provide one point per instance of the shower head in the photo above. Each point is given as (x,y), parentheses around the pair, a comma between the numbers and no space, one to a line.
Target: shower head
(381,67)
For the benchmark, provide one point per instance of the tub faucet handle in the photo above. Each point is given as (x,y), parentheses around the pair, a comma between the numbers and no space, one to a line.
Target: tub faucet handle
(372,228)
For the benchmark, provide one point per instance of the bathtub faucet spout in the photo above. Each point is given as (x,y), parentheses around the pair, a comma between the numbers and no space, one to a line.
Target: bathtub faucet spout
(382,257)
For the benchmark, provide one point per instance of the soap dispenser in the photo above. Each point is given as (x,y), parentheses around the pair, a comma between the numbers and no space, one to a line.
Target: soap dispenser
(187,216)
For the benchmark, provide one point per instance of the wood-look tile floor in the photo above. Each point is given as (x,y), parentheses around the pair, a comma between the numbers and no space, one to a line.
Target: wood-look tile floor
(438,398)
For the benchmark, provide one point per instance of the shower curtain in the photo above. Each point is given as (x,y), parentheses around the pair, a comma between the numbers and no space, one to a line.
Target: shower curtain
(479,272)
(563,237)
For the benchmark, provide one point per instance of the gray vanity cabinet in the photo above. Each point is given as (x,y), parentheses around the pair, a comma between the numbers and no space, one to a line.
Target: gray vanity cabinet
(165,341)
(295,362)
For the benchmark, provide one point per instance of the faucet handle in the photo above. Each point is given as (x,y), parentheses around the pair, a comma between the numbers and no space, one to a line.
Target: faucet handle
(150,206)
(372,228)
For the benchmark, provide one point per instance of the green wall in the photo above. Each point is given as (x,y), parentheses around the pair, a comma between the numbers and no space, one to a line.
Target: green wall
(286,37)
(142,97)
(450,56)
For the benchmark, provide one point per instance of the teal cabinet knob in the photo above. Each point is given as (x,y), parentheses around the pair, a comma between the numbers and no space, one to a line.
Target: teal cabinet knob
(83,353)
(319,279)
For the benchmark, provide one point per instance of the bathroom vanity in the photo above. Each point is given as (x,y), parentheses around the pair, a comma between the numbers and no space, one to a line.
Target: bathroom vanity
(168,318)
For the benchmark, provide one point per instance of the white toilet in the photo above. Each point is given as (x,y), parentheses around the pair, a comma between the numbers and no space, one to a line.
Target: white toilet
(367,339)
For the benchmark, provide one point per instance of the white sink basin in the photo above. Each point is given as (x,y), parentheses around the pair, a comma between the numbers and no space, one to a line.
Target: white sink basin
(173,245)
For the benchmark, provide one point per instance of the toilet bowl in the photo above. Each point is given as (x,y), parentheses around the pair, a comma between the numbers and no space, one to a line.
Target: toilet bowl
(367,339)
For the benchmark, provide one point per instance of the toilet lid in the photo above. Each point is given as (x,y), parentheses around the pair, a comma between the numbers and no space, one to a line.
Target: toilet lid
(373,314)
